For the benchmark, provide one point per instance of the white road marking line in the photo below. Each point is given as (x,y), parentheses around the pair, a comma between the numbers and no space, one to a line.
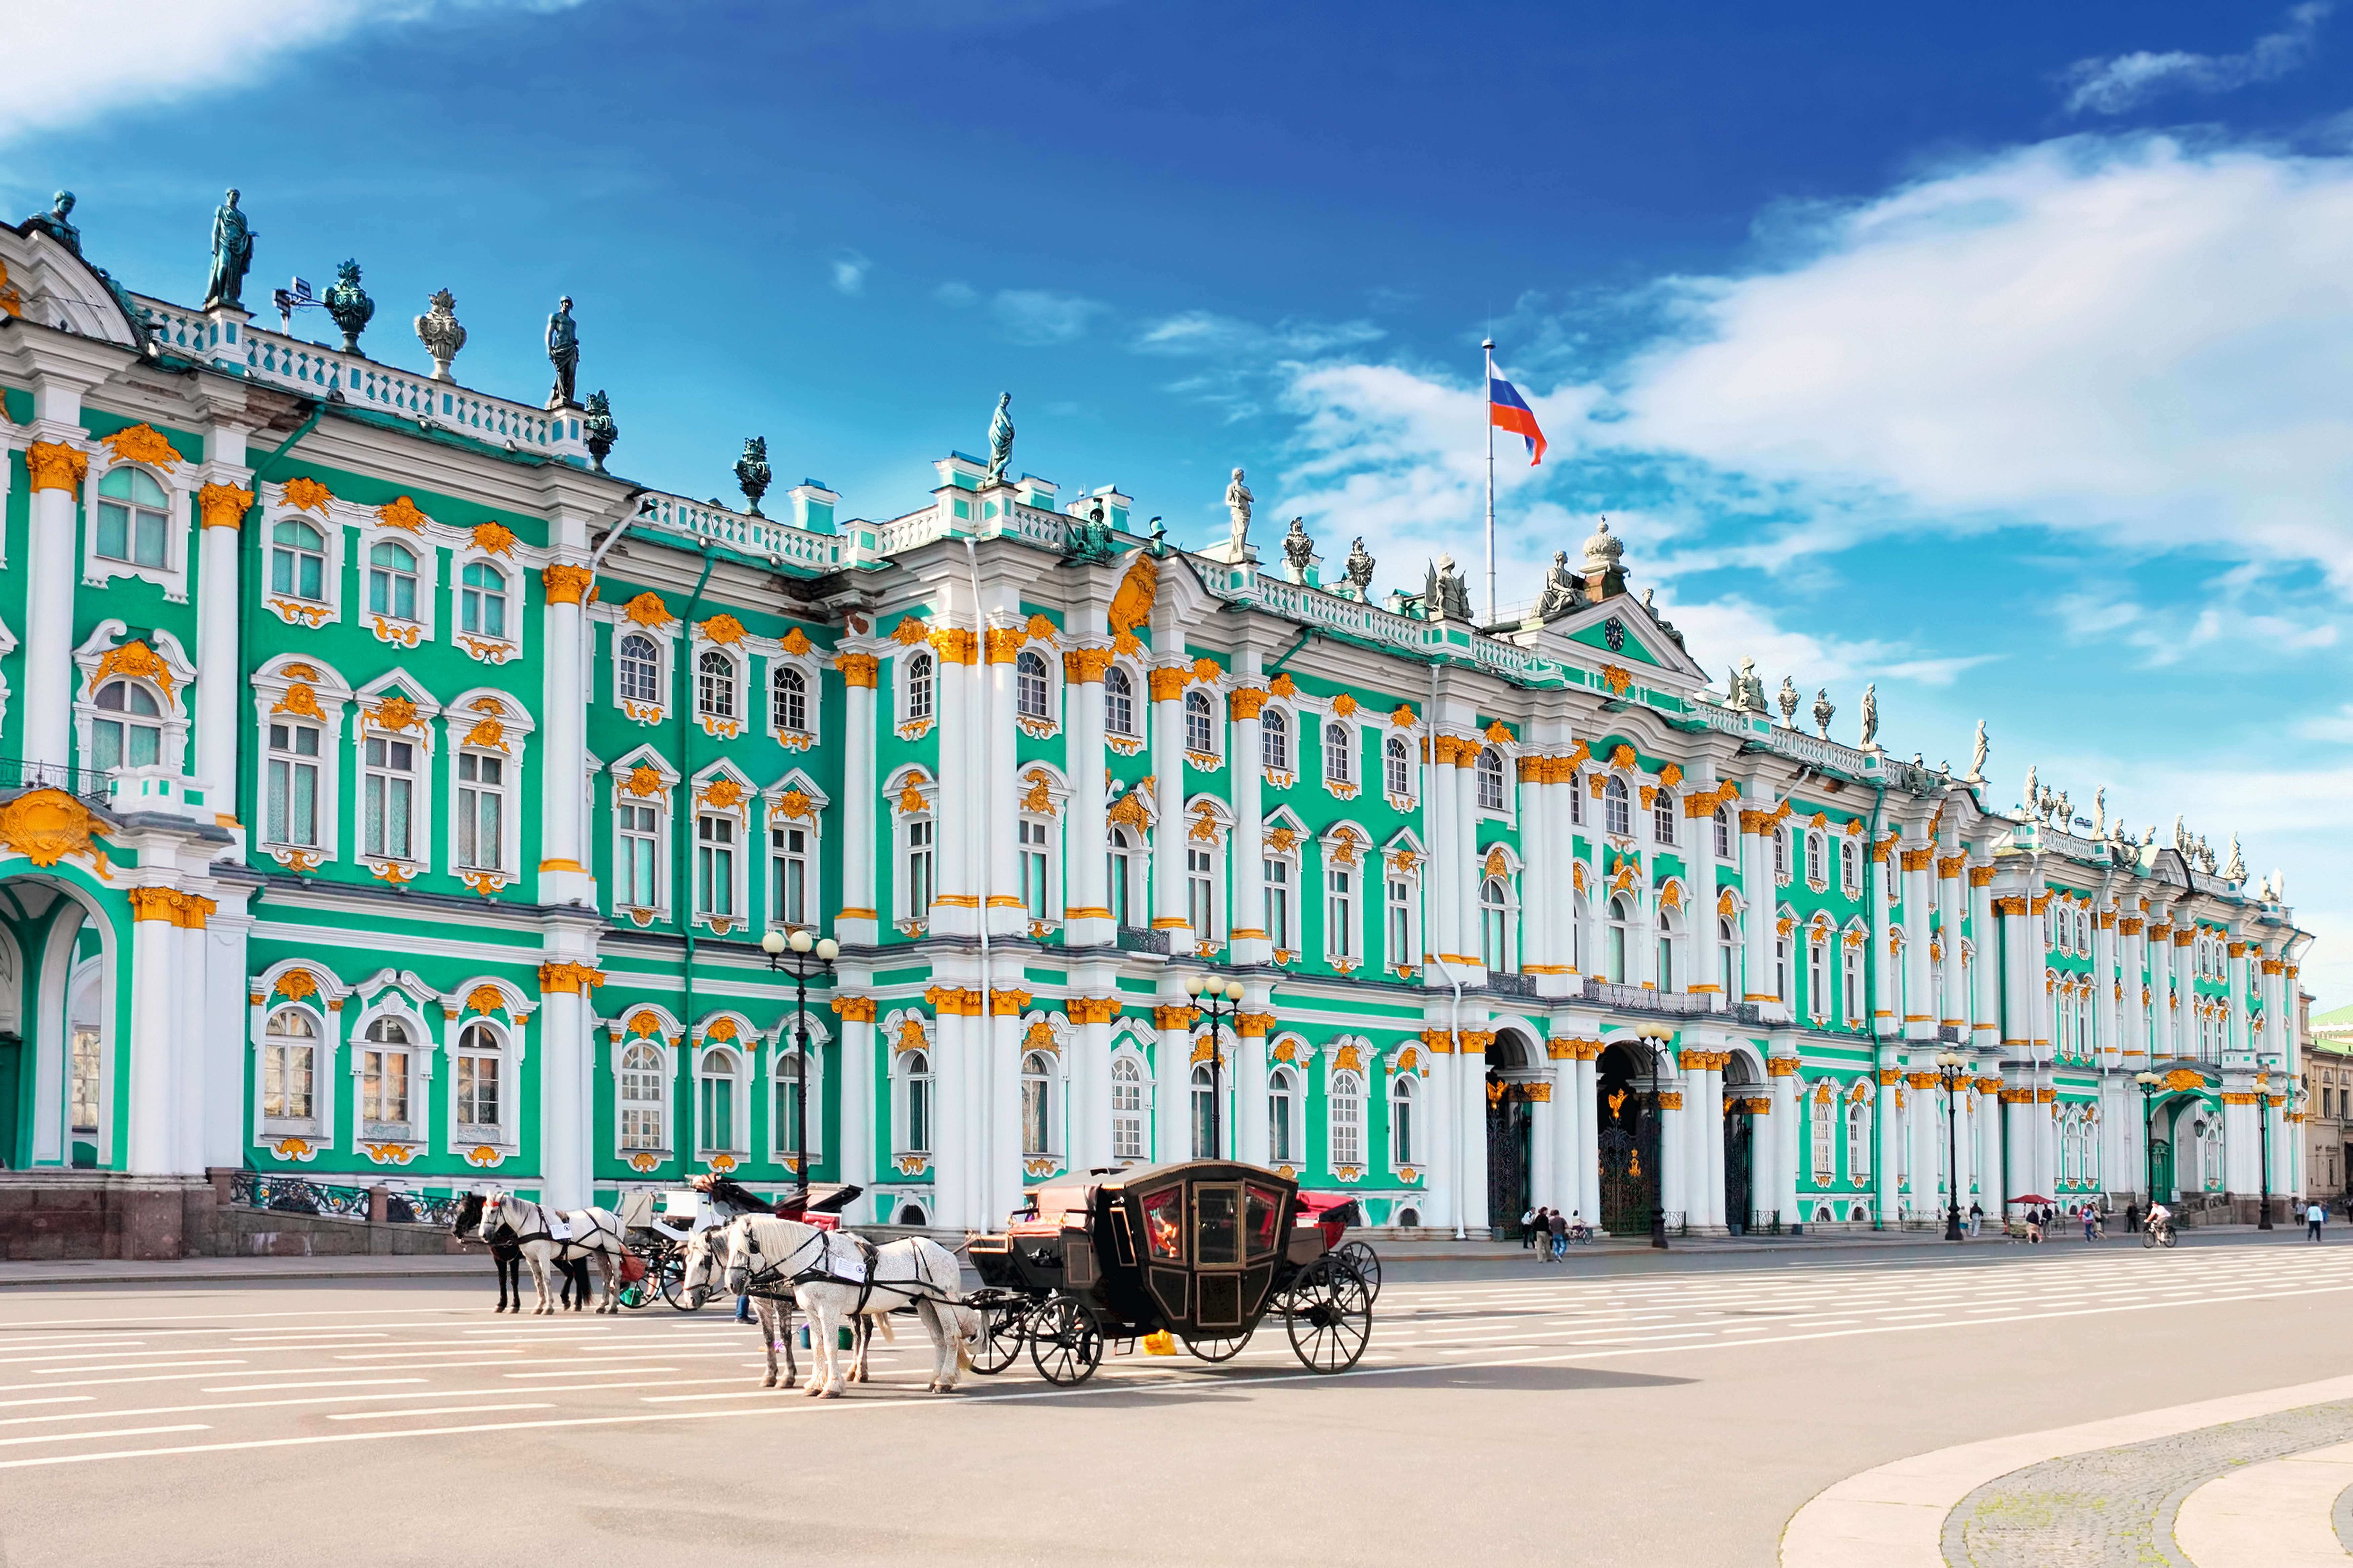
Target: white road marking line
(58,1399)
(138,1365)
(347,1383)
(87,1437)
(432,1410)
(591,1371)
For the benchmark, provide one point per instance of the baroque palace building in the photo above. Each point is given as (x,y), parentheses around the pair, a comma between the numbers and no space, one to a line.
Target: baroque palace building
(398,798)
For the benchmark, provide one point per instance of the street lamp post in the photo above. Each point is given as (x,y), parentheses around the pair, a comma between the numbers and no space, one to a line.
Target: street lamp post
(824,950)
(2148,1082)
(1952,1071)
(1209,990)
(1655,1038)
(2263,1130)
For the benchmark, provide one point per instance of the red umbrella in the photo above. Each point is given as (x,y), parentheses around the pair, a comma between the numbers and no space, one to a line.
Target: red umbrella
(2030,1198)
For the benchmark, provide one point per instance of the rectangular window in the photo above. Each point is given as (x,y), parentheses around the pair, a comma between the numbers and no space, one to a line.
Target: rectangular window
(293,785)
(1278,905)
(1853,964)
(1340,913)
(478,1091)
(788,876)
(919,869)
(714,865)
(88,1072)
(1347,1104)
(1032,835)
(384,1089)
(1400,923)
(387,793)
(1200,891)
(633,857)
(286,1080)
(1126,1113)
(481,806)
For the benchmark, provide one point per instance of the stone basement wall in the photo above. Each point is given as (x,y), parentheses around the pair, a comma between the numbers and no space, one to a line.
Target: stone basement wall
(45,1216)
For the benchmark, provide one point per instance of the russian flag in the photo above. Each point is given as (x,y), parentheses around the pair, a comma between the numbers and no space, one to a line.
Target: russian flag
(1507,410)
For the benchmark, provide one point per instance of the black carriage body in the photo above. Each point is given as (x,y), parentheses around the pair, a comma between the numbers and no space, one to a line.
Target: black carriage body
(1196,1248)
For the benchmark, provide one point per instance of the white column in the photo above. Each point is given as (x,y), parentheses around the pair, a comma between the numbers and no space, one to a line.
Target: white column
(1537,900)
(1711,1133)
(194,1001)
(1956,1009)
(1438,1125)
(1470,1128)
(1919,975)
(564,874)
(1086,892)
(1090,1086)
(1464,862)
(1588,1132)
(1985,973)
(221,507)
(959,831)
(2132,1017)
(1006,914)
(58,471)
(1173,1072)
(1699,912)
(2241,1037)
(856,1160)
(2185,971)
(225,1032)
(1886,985)
(1168,838)
(1888,1126)
(1569,1113)
(856,923)
(1247,1132)
(1561,846)
(1788,1122)
(1251,943)
(1757,829)
(955,1089)
(1440,886)
(156,975)
(1002,1157)
(1674,1173)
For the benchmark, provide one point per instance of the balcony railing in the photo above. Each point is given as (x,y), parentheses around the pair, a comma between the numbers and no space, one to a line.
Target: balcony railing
(1504,983)
(90,783)
(1642,999)
(1143,939)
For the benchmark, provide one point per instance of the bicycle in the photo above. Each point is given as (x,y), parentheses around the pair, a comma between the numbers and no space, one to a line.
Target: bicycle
(2159,1235)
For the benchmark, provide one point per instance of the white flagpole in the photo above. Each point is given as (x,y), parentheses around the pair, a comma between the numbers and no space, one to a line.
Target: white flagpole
(1487,396)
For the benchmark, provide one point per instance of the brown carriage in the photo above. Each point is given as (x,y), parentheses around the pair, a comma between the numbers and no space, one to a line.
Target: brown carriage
(1202,1251)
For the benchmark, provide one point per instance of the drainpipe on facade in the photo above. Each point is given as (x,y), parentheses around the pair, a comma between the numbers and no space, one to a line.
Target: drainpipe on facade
(1871,983)
(247,808)
(684,877)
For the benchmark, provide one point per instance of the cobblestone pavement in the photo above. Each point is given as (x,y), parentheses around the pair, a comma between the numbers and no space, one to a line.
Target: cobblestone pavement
(2116,1506)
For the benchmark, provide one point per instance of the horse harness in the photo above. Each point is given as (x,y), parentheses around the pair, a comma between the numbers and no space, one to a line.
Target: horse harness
(790,1277)
(587,1245)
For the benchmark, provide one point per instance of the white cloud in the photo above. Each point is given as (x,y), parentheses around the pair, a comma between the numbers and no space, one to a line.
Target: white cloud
(1206,332)
(1035,316)
(2337,726)
(850,269)
(2124,337)
(956,294)
(2115,84)
(103,56)
(2166,638)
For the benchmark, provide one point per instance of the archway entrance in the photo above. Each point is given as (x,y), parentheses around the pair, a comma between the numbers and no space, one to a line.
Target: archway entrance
(1739,1148)
(1626,1111)
(1510,1134)
(2160,1169)
(60,1048)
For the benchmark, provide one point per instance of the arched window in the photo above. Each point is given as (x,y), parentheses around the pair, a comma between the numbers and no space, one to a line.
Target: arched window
(918,687)
(1121,857)
(1617,819)
(1495,925)
(290,781)
(477,1102)
(920,846)
(1822,1120)
(716,685)
(1340,911)
(1724,833)
(482,600)
(1401,1120)
(298,561)
(790,1082)
(918,1068)
(1815,869)
(1119,703)
(289,1068)
(1032,849)
(129,729)
(641,1096)
(1276,869)
(1339,763)
(1282,1104)
(1662,817)
(1781,852)
(383,1078)
(640,673)
(134,519)
(1851,960)
(1850,867)
(1667,933)
(1727,956)
(1126,1111)
(1396,767)
(1200,724)
(1347,1098)
(1030,685)
(717,1089)
(1818,982)
(789,694)
(1621,920)
(1037,1104)
(1858,1142)
(392,581)
(1204,1113)
(1274,739)
(1491,780)
(1780,966)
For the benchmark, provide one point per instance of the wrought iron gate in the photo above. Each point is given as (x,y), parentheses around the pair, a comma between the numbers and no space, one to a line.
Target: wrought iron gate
(1629,1163)
(1508,1128)
(1739,1145)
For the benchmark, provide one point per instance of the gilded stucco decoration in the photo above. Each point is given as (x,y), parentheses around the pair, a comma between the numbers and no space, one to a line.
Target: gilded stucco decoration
(133,658)
(647,610)
(142,444)
(306,494)
(1131,605)
(45,825)
(301,700)
(222,506)
(402,512)
(53,465)
(495,539)
(723,629)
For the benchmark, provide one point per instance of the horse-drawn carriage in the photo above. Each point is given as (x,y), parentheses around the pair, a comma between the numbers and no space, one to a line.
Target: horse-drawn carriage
(1202,1251)
(656,1226)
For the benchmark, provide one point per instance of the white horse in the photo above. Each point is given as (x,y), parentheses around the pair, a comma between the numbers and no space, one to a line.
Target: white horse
(589,1233)
(771,1306)
(837,1278)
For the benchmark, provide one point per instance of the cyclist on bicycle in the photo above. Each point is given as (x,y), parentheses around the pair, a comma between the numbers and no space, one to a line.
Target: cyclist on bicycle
(2161,1218)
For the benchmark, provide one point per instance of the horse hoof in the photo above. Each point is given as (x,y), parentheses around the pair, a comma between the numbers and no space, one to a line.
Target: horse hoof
(833,1394)
(770,1382)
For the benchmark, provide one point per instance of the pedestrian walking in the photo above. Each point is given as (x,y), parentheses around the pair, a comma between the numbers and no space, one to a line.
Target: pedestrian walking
(1559,1239)
(1527,1229)
(2132,1217)
(2314,1216)
(2034,1225)
(2091,1223)
(1977,1219)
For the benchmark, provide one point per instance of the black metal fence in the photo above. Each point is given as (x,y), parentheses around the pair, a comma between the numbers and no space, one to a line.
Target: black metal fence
(16,773)
(298,1195)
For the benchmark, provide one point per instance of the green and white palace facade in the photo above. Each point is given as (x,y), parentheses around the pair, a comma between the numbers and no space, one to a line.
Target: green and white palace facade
(397,798)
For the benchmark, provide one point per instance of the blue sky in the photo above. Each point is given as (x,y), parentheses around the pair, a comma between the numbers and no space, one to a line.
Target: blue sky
(1999,354)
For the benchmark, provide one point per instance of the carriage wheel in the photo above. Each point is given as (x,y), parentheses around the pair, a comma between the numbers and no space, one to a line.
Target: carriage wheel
(1065,1341)
(1221,1347)
(1367,1263)
(642,1292)
(673,1270)
(1002,1325)
(1329,1315)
